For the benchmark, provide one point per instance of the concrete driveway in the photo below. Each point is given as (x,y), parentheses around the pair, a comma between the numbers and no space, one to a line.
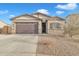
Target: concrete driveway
(17,45)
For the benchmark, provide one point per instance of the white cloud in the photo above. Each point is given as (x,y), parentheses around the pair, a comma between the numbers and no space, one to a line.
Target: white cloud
(44,11)
(69,6)
(3,12)
(59,12)
(10,16)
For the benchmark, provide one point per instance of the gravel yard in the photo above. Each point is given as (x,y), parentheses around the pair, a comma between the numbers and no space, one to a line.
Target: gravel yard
(57,46)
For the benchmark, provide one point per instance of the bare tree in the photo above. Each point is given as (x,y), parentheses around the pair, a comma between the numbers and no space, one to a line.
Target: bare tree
(72,25)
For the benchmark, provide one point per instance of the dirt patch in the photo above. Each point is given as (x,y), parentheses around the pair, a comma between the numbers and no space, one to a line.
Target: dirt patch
(56,46)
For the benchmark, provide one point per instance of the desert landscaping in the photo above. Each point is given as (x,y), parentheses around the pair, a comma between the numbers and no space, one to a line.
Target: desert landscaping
(56,45)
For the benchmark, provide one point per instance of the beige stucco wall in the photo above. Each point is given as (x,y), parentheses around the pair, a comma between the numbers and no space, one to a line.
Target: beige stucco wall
(42,17)
(53,31)
(25,19)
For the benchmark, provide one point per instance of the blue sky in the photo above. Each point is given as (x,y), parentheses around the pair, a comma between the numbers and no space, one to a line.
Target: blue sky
(9,10)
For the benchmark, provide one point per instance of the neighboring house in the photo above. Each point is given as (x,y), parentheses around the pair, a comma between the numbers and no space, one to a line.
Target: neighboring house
(6,30)
(2,26)
(36,23)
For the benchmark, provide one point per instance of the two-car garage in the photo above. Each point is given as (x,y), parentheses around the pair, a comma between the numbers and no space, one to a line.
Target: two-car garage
(27,27)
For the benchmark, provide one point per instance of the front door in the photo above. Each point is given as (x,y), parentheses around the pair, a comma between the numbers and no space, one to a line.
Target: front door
(44,27)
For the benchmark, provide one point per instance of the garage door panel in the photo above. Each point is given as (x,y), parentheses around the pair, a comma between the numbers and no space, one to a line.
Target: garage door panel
(27,28)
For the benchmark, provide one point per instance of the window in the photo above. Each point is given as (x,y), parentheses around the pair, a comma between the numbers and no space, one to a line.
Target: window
(55,26)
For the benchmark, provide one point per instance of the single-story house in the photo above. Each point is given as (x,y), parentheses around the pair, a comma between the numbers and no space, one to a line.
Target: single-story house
(36,23)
